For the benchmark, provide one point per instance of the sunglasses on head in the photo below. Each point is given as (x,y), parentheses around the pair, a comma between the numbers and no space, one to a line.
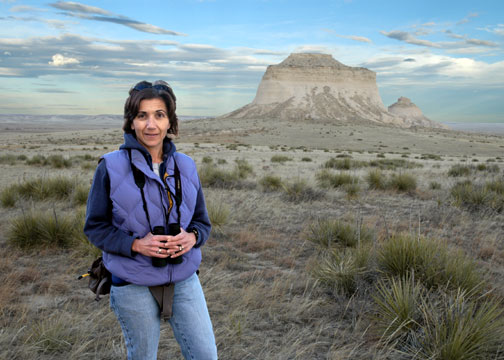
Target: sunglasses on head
(158,85)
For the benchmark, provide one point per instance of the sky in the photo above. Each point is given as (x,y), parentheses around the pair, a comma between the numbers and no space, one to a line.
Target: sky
(67,57)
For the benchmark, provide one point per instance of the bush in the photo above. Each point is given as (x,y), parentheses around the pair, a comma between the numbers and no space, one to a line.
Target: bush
(306,159)
(243,169)
(212,176)
(58,162)
(36,160)
(326,179)
(478,197)
(338,270)
(80,194)
(402,182)
(8,198)
(434,185)
(352,190)
(8,159)
(271,183)
(393,164)
(432,263)
(299,190)
(218,212)
(398,312)
(376,180)
(280,158)
(431,157)
(37,229)
(342,164)
(328,233)
(458,170)
(207,160)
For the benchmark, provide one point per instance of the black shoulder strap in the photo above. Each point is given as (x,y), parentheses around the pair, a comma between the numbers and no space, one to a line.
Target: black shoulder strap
(178,189)
(140,182)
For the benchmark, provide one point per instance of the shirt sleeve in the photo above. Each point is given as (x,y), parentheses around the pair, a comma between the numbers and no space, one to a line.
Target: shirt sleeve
(98,226)
(200,220)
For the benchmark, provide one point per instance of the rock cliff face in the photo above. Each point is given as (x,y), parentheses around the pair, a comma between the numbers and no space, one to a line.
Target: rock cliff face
(317,87)
(411,114)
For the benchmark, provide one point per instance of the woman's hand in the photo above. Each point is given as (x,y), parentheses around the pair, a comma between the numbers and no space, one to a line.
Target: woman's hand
(180,244)
(163,246)
(151,245)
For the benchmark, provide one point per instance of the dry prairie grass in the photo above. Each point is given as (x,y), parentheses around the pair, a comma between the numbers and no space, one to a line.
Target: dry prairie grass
(264,300)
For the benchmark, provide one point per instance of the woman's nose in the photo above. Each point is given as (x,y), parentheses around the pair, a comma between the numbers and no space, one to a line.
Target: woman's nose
(150,122)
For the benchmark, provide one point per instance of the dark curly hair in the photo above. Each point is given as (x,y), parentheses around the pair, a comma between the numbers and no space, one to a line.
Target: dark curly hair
(144,90)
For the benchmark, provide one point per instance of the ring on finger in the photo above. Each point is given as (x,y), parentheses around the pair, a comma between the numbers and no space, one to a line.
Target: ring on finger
(159,251)
(180,247)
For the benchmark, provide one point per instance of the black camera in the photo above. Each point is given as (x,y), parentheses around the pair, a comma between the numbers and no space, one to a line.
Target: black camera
(173,229)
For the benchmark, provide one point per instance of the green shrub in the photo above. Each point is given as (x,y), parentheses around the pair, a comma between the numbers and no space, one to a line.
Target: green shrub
(393,164)
(342,164)
(306,159)
(218,212)
(434,185)
(211,176)
(398,312)
(376,180)
(207,160)
(80,194)
(36,160)
(326,179)
(243,169)
(338,270)
(328,233)
(431,157)
(461,328)
(280,158)
(458,170)
(352,190)
(58,162)
(8,159)
(271,183)
(432,263)
(402,182)
(299,191)
(38,229)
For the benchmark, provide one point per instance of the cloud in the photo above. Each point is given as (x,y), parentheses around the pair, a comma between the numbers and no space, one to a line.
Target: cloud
(60,60)
(350,37)
(26,8)
(409,38)
(467,18)
(453,35)
(80,8)
(481,42)
(93,13)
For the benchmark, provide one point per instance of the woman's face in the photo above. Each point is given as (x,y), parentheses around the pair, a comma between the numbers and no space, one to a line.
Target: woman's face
(151,125)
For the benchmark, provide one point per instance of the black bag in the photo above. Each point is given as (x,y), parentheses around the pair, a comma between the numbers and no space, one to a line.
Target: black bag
(100,278)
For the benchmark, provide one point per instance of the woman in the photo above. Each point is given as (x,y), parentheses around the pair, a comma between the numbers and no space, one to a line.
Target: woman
(146,187)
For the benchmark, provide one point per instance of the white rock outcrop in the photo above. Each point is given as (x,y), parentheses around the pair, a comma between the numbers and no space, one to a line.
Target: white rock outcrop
(411,114)
(317,87)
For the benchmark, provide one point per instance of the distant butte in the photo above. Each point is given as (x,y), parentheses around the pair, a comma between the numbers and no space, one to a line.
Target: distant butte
(316,87)
(411,114)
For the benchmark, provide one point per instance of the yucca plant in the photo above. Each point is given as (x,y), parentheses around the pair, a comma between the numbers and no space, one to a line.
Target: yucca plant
(40,229)
(376,180)
(461,328)
(329,233)
(338,270)
(218,212)
(397,301)
(271,183)
(402,182)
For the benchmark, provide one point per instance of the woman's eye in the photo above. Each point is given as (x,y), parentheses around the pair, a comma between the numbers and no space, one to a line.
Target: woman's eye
(140,116)
(160,115)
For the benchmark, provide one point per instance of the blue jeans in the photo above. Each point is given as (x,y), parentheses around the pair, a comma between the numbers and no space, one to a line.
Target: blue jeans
(139,316)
